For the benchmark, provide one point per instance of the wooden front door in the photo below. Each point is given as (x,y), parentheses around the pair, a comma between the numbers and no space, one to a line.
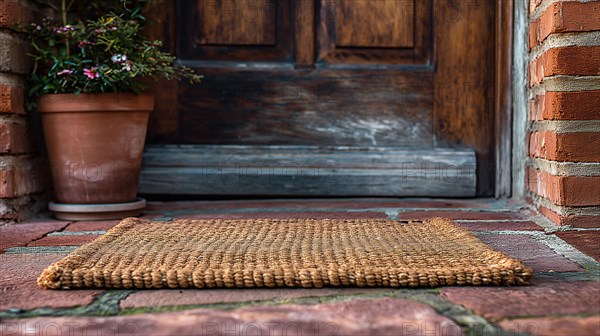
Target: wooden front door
(326,97)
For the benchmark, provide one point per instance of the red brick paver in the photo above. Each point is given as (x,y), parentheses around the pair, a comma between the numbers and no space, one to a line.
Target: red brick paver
(288,215)
(357,317)
(501,226)
(91,225)
(533,253)
(21,234)
(556,326)
(18,275)
(67,240)
(587,242)
(472,215)
(553,298)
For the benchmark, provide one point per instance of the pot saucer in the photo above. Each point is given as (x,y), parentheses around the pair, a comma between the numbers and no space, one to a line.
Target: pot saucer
(97,211)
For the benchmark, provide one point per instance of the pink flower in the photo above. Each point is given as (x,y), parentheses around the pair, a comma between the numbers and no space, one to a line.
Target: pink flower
(65,72)
(64,29)
(91,73)
(82,44)
(104,30)
(127,66)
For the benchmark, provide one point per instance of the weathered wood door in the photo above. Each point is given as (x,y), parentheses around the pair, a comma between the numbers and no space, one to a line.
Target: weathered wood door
(326,97)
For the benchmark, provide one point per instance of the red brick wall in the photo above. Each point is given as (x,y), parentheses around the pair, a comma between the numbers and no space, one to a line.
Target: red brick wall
(564,111)
(21,174)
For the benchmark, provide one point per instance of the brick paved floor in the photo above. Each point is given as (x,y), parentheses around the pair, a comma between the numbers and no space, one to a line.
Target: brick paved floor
(564,298)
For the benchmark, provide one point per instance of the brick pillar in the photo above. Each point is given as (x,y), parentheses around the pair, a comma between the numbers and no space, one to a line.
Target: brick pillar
(21,178)
(564,111)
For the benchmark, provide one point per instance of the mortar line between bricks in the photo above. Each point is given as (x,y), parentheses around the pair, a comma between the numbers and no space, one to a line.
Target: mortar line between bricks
(47,233)
(548,225)
(568,251)
(392,215)
(76,233)
(564,126)
(565,83)
(562,210)
(591,275)
(469,322)
(540,9)
(17,119)
(555,243)
(551,227)
(508,232)
(39,249)
(565,39)
(491,220)
(565,168)
(579,229)
(105,304)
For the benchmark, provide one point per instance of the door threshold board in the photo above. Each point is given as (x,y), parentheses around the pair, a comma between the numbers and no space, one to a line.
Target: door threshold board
(307,171)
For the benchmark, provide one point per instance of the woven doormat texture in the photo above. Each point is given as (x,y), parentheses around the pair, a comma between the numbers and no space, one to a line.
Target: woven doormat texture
(283,253)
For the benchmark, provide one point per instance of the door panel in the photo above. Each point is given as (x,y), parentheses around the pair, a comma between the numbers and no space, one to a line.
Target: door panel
(374,32)
(319,107)
(415,75)
(373,23)
(236,22)
(235,30)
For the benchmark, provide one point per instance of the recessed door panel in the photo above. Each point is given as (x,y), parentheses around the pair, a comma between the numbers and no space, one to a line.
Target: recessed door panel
(374,23)
(234,30)
(237,22)
(374,32)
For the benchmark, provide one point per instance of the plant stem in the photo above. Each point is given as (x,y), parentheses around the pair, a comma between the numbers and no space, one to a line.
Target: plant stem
(63,10)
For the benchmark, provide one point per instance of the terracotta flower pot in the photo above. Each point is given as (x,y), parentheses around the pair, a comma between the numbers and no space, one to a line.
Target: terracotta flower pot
(95,144)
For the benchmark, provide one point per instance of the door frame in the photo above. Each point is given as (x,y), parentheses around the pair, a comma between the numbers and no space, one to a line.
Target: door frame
(503,110)
(500,170)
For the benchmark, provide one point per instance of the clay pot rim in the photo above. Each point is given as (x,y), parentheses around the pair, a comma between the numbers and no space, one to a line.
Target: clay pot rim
(138,203)
(95,102)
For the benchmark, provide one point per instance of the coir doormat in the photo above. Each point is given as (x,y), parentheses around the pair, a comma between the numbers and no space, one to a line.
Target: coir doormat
(284,253)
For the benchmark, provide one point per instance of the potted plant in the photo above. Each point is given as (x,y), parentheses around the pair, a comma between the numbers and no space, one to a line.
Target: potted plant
(88,84)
